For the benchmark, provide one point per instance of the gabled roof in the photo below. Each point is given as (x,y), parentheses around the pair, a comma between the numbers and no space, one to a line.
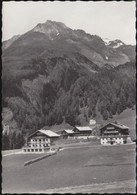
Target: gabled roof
(116,125)
(69,131)
(119,125)
(49,133)
(86,128)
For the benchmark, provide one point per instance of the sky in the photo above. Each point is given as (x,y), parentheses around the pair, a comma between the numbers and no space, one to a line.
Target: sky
(112,20)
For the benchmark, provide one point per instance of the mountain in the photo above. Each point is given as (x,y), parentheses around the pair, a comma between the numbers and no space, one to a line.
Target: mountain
(52,29)
(53,75)
(7,43)
(113,44)
(56,36)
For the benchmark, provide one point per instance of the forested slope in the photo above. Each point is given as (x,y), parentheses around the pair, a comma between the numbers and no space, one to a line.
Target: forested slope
(53,75)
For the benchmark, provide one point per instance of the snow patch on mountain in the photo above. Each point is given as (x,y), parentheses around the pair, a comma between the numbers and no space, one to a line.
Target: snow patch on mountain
(114,44)
(106,40)
(118,45)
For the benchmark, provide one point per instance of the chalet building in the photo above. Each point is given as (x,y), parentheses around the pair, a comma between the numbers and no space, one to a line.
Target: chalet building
(68,133)
(114,133)
(82,132)
(40,141)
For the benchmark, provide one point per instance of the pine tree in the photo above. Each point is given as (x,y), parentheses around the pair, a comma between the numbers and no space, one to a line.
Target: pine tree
(5,141)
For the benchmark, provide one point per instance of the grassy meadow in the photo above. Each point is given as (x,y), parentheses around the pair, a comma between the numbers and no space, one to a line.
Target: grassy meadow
(73,166)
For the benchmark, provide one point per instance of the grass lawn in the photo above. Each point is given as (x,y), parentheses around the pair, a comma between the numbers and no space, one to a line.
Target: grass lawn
(69,167)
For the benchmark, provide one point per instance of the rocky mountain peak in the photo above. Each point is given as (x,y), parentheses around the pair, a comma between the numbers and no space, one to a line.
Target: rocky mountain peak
(113,44)
(116,43)
(56,24)
(51,28)
(58,38)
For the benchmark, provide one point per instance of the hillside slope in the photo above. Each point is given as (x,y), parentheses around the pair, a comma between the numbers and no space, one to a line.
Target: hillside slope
(53,75)
(127,117)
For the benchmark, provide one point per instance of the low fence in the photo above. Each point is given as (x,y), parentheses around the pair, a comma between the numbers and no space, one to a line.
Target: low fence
(39,158)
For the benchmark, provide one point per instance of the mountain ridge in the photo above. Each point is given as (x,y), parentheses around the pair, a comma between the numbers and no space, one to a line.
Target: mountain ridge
(50,79)
(93,47)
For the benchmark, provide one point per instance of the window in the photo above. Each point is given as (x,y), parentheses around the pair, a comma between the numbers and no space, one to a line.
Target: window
(36,150)
(40,150)
(125,141)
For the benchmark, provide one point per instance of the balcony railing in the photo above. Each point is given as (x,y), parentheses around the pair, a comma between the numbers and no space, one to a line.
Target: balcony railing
(114,136)
(35,147)
(38,142)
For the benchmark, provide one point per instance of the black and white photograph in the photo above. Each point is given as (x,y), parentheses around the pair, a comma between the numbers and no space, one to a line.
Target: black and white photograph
(68,97)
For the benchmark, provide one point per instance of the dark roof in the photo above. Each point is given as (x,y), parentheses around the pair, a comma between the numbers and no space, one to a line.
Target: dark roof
(117,125)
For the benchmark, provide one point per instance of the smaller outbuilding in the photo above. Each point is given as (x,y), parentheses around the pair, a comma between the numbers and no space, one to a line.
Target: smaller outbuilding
(67,133)
(82,132)
(114,133)
(40,141)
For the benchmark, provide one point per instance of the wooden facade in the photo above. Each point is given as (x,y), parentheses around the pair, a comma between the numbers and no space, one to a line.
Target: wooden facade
(68,133)
(40,141)
(82,132)
(114,133)
(76,132)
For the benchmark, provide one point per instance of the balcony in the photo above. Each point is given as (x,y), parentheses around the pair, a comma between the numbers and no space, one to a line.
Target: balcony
(35,147)
(115,136)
